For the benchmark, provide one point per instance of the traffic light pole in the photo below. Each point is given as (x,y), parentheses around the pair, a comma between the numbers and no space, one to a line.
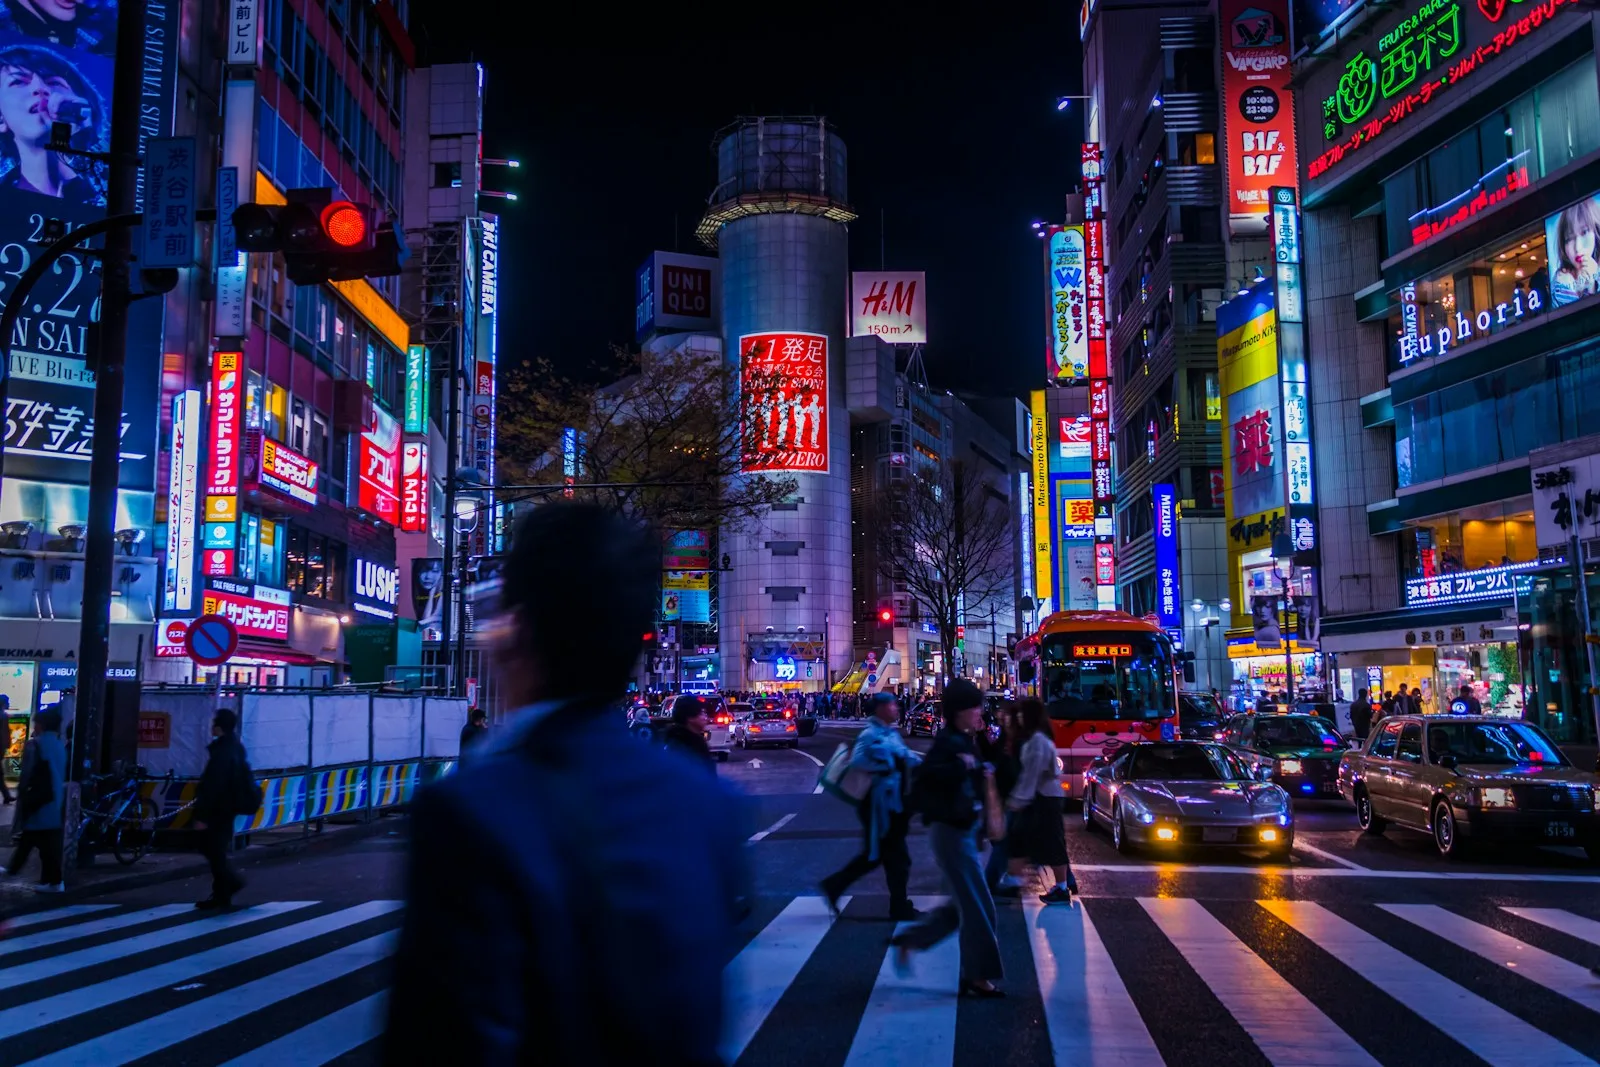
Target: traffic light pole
(112,342)
(452,456)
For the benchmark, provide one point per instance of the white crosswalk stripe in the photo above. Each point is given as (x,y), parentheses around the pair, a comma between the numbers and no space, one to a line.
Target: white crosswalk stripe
(180,990)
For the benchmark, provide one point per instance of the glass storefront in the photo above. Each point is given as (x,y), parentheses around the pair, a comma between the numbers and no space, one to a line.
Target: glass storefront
(1491,536)
(1553,657)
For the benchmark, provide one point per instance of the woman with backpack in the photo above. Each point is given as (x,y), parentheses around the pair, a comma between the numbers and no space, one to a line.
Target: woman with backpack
(948,789)
(42,791)
(1039,834)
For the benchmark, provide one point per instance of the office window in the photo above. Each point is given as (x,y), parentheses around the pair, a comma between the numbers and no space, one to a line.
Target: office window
(299,427)
(269,561)
(447,175)
(275,412)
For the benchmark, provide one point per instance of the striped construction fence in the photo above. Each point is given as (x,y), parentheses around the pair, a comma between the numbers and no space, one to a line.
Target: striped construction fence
(290,799)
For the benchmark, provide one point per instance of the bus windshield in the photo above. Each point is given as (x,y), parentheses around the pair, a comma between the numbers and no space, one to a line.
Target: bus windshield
(1116,676)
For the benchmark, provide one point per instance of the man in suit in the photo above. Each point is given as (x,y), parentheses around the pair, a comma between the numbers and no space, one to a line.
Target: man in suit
(572,893)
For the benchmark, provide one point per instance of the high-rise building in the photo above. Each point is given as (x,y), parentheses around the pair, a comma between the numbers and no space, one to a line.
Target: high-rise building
(1153,174)
(777,218)
(448,523)
(1449,213)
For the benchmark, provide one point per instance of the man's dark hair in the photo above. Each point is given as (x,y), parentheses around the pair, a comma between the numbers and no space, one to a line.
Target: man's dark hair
(477,715)
(225,720)
(960,695)
(585,584)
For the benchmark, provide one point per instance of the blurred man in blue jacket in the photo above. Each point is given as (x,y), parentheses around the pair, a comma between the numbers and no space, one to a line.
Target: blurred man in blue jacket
(572,892)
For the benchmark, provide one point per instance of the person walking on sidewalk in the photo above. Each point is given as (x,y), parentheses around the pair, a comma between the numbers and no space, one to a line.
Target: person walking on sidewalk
(1037,799)
(216,802)
(949,792)
(42,789)
(884,815)
(1005,753)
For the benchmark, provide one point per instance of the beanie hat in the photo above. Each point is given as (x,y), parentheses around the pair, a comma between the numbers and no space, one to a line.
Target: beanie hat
(960,695)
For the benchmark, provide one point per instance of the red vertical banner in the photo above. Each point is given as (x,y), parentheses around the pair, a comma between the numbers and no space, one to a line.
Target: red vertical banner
(1258,108)
(783,383)
(414,486)
(227,424)
(1095,273)
(1103,486)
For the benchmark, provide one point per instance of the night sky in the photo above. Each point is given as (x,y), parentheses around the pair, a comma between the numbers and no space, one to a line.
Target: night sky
(951,130)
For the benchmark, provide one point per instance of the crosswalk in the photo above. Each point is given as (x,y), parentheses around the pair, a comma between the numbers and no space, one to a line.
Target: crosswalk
(1125,982)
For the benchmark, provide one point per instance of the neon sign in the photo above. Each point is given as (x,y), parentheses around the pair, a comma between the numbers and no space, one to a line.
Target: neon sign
(1466,327)
(1101,651)
(1409,52)
(1491,189)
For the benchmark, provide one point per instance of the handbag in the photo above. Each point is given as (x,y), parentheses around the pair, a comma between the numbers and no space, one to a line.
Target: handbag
(40,788)
(248,797)
(994,812)
(839,779)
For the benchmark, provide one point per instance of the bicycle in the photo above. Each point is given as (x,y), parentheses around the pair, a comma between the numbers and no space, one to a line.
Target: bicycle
(127,819)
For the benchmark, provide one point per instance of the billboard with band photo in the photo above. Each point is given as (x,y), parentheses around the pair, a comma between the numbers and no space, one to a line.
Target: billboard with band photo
(56,68)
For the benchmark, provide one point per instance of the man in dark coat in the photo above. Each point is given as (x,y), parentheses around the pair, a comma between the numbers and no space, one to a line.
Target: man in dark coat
(476,729)
(687,734)
(216,803)
(1361,715)
(570,890)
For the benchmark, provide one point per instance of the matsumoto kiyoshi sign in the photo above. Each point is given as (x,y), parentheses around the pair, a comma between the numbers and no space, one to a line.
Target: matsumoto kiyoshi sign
(1429,49)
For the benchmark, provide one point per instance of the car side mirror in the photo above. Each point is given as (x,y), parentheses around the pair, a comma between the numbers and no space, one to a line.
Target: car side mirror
(1447,760)
(1263,772)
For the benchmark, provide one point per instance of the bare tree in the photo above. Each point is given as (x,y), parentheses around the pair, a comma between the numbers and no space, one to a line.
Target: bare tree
(946,538)
(662,432)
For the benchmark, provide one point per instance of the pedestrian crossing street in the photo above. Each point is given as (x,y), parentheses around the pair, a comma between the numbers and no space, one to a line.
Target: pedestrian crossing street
(1149,980)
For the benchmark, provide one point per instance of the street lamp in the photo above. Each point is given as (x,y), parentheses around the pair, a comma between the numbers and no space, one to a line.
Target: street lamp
(1283,554)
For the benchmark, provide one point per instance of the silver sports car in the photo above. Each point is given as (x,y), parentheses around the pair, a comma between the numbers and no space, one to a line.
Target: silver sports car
(1169,795)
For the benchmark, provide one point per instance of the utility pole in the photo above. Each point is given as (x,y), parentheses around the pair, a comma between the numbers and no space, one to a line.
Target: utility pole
(109,370)
(452,457)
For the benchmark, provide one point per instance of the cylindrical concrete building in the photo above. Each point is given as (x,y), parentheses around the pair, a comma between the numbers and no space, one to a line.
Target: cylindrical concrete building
(778,219)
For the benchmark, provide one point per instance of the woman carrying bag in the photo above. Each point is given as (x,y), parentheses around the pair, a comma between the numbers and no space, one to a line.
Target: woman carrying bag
(41,793)
(1038,832)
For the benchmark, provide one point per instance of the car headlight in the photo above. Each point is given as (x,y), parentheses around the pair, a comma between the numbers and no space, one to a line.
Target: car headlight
(1289,766)
(1496,798)
(1146,818)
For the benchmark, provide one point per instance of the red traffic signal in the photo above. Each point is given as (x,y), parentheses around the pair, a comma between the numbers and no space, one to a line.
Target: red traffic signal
(321,239)
(886,615)
(345,224)
(961,633)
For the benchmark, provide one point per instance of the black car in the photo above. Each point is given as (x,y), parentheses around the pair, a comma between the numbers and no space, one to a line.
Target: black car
(924,719)
(806,721)
(1200,717)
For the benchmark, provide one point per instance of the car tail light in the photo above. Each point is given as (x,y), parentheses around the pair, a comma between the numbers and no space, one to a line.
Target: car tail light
(787,714)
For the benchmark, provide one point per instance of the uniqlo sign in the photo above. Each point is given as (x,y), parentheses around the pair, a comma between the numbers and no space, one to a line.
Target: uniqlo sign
(414,486)
(783,384)
(251,617)
(227,424)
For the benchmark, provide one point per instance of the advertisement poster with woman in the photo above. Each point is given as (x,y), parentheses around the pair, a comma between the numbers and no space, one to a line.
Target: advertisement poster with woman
(1571,236)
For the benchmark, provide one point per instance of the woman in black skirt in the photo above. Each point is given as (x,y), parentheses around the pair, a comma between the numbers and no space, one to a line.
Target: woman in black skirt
(1038,835)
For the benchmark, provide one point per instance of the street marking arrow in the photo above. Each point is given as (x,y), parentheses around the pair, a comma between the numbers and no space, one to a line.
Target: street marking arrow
(755,764)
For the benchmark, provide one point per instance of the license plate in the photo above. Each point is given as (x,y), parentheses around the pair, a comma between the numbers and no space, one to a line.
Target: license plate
(1559,829)
(1218,834)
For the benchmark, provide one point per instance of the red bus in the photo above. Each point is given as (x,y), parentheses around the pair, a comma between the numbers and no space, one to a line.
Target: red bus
(1107,679)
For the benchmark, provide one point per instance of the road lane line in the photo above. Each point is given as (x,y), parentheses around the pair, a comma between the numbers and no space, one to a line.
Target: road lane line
(807,755)
(149,1036)
(1561,921)
(67,912)
(1088,1013)
(1480,1025)
(1535,964)
(1167,870)
(25,1017)
(24,973)
(324,1040)
(758,976)
(911,1019)
(1324,854)
(1285,1026)
(89,929)
(774,828)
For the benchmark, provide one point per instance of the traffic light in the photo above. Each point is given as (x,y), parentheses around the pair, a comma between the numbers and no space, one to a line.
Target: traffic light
(886,616)
(961,632)
(322,239)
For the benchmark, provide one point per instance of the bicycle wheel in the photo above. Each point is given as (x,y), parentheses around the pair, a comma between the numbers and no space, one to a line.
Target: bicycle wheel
(133,830)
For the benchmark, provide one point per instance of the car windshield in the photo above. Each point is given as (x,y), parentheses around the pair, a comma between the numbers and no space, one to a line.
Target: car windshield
(1295,731)
(1181,763)
(1492,742)
(739,709)
(1198,707)
(765,714)
(1121,676)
